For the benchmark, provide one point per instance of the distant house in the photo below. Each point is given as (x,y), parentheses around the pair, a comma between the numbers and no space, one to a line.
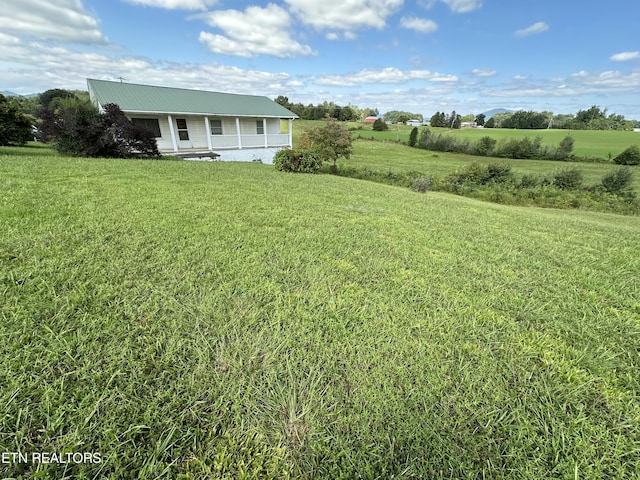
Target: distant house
(197,123)
(469,125)
(370,119)
(414,123)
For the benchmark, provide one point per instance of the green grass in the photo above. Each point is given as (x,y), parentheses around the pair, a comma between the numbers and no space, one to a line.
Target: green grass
(221,320)
(393,157)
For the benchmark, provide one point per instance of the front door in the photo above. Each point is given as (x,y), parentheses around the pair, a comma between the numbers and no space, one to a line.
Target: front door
(183,133)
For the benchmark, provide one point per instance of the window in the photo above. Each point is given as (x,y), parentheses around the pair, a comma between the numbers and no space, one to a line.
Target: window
(260,127)
(216,127)
(150,124)
(183,133)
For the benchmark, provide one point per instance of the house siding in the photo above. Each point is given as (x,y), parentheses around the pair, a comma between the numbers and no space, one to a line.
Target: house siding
(255,147)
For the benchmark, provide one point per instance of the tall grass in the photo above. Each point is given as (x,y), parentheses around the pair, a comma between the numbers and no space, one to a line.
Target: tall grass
(218,320)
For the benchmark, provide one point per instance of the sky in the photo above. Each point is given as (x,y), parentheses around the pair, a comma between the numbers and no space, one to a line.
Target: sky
(419,56)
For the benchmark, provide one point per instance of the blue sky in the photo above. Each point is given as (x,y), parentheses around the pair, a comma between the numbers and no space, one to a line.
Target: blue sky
(420,56)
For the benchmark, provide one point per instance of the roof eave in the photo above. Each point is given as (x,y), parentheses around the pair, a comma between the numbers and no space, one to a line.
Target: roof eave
(209,114)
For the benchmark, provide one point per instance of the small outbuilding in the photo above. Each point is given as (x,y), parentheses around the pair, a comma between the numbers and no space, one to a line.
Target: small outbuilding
(202,124)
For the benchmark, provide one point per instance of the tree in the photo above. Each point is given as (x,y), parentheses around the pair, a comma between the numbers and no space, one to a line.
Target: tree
(526,120)
(380,125)
(413,137)
(480,119)
(491,123)
(329,142)
(453,120)
(16,128)
(77,128)
(438,119)
(565,147)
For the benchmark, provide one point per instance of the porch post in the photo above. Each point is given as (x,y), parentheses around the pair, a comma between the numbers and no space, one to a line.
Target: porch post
(207,129)
(239,134)
(173,134)
(266,134)
(290,133)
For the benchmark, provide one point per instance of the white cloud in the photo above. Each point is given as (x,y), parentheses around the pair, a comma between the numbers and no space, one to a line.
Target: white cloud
(483,72)
(577,84)
(59,20)
(625,56)
(344,14)
(386,75)
(456,6)
(30,67)
(534,29)
(422,25)
(177,4)
(256,31)
(463,6)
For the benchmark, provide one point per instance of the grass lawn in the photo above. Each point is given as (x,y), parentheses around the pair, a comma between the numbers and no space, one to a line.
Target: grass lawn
(223,320)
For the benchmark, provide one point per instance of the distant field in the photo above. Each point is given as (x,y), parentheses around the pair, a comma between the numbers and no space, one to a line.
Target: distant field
(224,320)
(588,143)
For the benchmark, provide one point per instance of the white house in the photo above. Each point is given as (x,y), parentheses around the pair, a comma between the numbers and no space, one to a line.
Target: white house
(414,123)
(197,123)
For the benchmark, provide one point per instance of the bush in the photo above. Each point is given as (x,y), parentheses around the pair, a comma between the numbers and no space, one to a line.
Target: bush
(380,125)
(618,180)
(77,128)
(330,142)
(529,181)
(568,179)
(486,145)
(525,148)
(565,147)
(421,184)
(631,156)
(479,174)
(413,137)
(296,161)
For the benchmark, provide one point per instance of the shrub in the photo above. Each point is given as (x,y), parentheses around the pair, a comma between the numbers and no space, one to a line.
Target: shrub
(524,148)
(486,145)
(631,156)
(421,184)
(413,137)
(618,180)
(330,142)
(568,179)
(380,125)
(499,173)
(565,147)
(529,181)
(297,161)
(77,128)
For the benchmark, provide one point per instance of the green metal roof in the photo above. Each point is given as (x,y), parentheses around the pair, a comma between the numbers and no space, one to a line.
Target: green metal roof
(132,98)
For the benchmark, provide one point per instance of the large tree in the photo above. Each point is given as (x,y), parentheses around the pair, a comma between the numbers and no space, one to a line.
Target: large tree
(16,128)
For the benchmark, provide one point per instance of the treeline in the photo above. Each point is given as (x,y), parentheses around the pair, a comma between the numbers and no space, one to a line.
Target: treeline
(322,110)
(593,118)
